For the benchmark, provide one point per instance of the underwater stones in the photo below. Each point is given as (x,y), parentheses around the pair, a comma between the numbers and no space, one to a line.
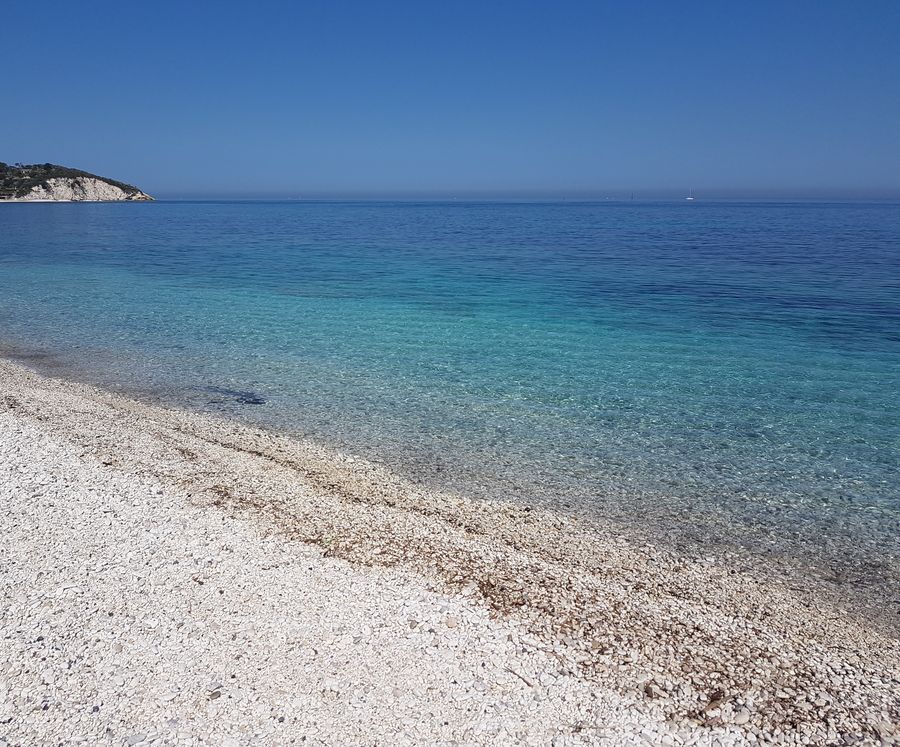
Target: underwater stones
(240,396)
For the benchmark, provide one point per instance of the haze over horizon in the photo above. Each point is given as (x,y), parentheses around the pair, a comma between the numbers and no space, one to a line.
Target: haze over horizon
(578,100)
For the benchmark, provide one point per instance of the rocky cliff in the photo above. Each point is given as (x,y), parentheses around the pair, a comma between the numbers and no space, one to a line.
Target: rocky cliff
(49,182)
(80,188)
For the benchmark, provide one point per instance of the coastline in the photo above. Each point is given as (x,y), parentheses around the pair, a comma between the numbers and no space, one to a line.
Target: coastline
(847,575)
(696,650)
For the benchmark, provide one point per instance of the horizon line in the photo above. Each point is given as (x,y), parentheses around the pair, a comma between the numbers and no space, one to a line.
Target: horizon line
(668,195)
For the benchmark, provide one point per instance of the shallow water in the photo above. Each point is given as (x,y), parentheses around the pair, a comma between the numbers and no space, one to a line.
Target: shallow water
(714,372)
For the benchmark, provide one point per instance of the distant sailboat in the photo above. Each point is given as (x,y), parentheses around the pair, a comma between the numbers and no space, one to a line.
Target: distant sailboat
(690,197)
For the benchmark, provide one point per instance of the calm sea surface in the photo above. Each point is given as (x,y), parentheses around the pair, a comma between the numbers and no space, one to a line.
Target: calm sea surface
(714,372)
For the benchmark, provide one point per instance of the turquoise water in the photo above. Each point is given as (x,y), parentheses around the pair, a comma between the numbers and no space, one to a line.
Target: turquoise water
(721,372)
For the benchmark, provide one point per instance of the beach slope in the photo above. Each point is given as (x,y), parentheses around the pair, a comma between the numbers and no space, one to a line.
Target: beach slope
(169,577)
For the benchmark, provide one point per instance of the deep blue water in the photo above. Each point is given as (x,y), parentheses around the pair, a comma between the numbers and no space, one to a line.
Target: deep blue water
(711,371)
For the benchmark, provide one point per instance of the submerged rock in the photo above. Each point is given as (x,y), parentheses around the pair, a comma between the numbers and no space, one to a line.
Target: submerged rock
(241,396)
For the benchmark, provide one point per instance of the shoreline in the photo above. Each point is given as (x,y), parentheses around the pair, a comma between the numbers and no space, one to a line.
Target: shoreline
(860,585)
(715,650)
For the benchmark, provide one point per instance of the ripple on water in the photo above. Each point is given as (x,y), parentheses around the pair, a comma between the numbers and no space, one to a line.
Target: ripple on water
(728,373)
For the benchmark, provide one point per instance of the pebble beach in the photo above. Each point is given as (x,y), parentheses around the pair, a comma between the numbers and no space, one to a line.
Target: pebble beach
(170,578)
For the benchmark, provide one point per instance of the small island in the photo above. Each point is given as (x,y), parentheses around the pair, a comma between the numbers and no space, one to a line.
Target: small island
(48,182)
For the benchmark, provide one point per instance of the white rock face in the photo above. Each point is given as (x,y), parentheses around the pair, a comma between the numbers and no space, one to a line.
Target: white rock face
(81,189)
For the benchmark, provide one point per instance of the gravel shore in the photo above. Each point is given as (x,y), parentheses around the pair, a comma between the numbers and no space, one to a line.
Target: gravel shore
(170,578)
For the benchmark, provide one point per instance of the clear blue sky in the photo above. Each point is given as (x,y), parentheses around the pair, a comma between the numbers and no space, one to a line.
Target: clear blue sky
(315,98)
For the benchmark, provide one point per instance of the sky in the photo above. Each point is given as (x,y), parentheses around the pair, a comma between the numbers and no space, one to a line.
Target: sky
(555,99)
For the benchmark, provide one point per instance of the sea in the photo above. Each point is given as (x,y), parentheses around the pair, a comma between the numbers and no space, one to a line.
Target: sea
(706,374)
